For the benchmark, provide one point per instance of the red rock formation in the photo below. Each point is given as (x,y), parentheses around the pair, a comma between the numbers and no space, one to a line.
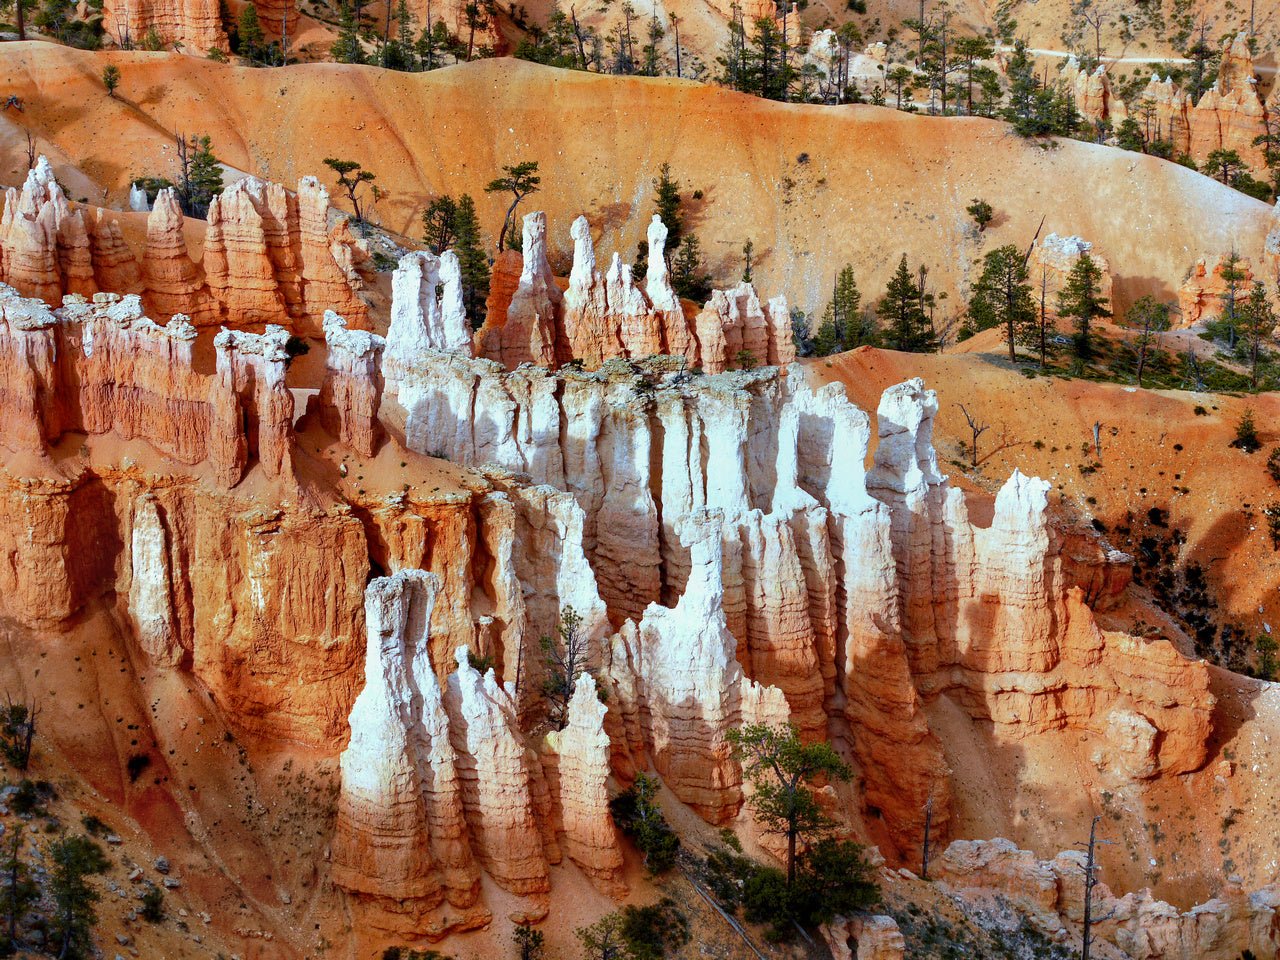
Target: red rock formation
(581,753)
(114,268)
(331,261)
(606,316)
(246,247)
(873,937)
(1204,295)
(1230,114)
(193,26)
(1164,112)
(172,282)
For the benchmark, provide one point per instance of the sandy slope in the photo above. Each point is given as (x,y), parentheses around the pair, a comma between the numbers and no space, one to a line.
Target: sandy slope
(813,187)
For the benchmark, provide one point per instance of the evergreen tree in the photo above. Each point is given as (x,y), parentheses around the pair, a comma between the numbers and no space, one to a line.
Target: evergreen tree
(440,223)
(667,202)
(733,58)
(1002,298)
(1036,110)
(1081,300)
(433,44)
(249,32)
(347,48)
(74,859)
(18,892)
(201,175)
(472,260)
(688,273)
(1129,135)
(111,79)
(768,69)
(520,180)
(843,325)
(1257,324)
(903,319)
(351,177)
(1149,317)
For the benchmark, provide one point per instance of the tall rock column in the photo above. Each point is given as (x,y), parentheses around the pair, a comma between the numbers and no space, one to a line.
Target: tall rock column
(352,387)
(401,833)
(582,752)
(172,282)
(526,331)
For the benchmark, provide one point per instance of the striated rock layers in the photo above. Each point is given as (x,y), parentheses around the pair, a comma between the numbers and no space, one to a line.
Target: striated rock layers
(1051,894)
(190,26)
(609,315)
(269,255)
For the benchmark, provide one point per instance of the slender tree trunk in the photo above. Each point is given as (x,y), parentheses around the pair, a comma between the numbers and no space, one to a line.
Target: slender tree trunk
(675,26)
(928,823)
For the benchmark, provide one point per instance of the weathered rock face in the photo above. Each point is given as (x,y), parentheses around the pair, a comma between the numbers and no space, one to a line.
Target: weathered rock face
(1092,93)
(1206,294)
(172,282)
(402,835)
(192,26)
(351,391)
(873,590)
(1051,894)
(1230,114)
(427,311)
(864,938)
(1050,265)
(611,315)
(269,255)
(581,753)
(1164,112)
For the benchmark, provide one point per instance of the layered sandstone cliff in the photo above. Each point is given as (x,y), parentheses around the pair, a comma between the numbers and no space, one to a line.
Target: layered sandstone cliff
(269,256)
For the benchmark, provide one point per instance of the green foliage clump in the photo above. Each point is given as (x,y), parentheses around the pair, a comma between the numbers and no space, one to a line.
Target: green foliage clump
(638,815)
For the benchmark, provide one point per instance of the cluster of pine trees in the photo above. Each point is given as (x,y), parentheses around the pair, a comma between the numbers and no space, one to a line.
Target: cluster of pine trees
(904,318)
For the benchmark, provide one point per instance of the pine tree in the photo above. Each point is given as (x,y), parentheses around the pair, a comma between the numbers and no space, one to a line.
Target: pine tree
(472,260)
(1002,298)
(902,313)
(74,859)
(1081,300)
(347,48)
(17,890)
(1257,323)
(440,223)
(250,33)
(688,275)
(667,202)
(201,178)
(520,180)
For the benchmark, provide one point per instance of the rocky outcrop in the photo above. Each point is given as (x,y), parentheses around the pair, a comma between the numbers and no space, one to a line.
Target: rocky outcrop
(172,282)
(609,315)
(1163,109)
(1230,114)
(1052,259)
(864,938)
(269,255)
(1051,894)
(191,26)
(1206,294)
(1092,93)
(427,312)
(351,391)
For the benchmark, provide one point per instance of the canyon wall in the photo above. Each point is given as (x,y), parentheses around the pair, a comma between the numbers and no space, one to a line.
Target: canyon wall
(727,553)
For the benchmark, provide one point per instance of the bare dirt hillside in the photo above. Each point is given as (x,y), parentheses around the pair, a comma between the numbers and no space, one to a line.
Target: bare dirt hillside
(813,187)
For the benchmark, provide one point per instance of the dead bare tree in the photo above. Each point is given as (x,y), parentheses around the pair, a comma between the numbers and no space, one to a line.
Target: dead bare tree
(31,151)
(1090,881)
(1097,437)
(928,824)
(978,429)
